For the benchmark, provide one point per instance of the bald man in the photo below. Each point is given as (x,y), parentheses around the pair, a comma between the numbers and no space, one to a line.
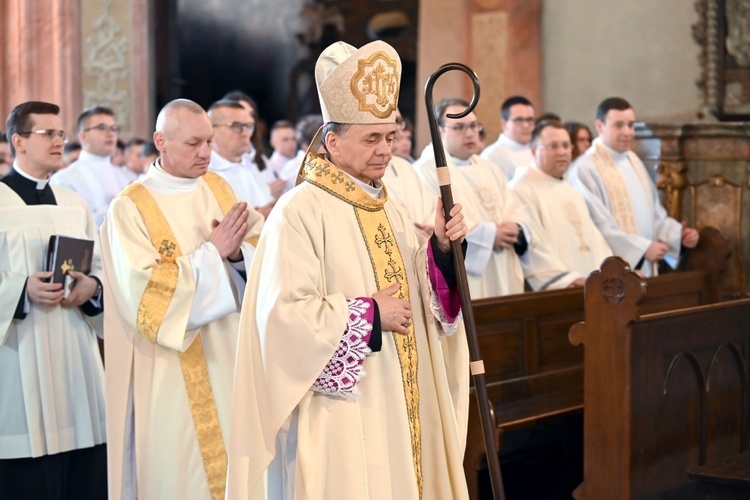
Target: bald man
(175,246)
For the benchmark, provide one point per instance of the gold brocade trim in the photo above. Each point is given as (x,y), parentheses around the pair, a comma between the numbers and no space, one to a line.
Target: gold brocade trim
(164,275)
(224,195)
(221,190)
(152,309)
(320,172)
(205,417)
(617,191)
(388,268)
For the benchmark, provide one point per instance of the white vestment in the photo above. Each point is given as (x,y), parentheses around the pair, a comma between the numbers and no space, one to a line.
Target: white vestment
(405,186)
(244,178)
(290,170)
(483,192)
(275,163)
(51,374)
(153,449)
(508,155)
(311,258)
(562,212)
(95,179)
(651,219)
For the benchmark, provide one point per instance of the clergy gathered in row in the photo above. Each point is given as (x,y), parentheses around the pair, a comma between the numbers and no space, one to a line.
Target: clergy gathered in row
(266,340)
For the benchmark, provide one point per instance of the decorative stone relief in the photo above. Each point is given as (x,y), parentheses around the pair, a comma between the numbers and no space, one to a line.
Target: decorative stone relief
(106,66)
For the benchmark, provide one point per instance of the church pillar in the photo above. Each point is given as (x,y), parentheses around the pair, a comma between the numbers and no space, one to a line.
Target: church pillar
(499,39)
(78,53)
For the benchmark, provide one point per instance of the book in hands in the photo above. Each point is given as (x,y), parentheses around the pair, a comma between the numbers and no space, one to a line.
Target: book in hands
(68,254)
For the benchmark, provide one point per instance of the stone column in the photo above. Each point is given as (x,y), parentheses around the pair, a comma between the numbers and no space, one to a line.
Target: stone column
(498,39)
(78,53)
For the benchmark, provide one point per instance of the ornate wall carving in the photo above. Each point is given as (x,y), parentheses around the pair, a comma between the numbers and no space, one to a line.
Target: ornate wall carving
(106,59)
(723,32)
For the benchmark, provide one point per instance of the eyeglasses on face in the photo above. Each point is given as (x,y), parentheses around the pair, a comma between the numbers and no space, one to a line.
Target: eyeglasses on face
(463,127)
(520,120)
(237,126)
(48,133)
(103,128)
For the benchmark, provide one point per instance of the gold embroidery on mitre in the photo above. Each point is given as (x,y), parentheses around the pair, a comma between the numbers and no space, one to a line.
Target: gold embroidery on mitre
(151,312)
(388,268)
(375,84)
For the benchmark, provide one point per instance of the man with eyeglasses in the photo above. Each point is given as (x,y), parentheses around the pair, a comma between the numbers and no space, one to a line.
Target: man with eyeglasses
(506,245)
(93,175)
(511,150)
(176,245)
(233,128)
(560,210)
(623,199)
(52,412)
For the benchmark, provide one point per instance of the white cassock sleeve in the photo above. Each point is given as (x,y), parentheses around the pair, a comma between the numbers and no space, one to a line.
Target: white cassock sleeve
(203,291)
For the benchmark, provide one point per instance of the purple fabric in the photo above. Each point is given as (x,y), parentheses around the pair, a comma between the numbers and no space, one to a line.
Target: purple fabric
(450,300)
(344,370)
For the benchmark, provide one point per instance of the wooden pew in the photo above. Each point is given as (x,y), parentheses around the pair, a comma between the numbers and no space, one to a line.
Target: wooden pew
(663,392)
(532,370)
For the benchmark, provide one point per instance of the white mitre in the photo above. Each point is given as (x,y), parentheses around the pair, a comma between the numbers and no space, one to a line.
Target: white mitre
(358,86)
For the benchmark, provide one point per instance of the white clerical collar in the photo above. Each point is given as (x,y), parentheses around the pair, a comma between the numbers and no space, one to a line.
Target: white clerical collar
(87,157)
(40,183)
(616,155)
(511,143)
(218,162)
(375,189)
(541,173)
(459,162)
(157,178)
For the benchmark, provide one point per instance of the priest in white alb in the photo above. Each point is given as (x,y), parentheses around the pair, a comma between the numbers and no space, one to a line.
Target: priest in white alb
(352,368)
(506,245)
(176,246)
(622,198)
(560,210)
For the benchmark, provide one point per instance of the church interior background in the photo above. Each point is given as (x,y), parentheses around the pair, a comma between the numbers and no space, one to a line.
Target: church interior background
(683,64)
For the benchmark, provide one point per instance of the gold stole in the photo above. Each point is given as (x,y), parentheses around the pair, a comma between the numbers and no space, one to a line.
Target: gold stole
(617,191)
(388,267)
(151,312)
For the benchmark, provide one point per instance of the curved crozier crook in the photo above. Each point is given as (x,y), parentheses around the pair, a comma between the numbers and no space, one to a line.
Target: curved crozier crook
(437,143)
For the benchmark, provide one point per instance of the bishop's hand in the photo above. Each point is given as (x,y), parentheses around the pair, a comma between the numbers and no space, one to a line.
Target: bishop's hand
(395,313)
(454,230)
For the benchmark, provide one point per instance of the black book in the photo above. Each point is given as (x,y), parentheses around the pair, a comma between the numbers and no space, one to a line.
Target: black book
(68,254)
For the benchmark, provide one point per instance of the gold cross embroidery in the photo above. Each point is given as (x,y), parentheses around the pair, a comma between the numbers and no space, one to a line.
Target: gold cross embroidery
(167,248)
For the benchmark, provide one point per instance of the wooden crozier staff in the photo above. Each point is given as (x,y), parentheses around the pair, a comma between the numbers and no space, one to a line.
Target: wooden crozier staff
(476,364)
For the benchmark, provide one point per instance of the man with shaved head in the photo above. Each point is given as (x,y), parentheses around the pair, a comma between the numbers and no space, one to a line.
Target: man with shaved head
(175,247)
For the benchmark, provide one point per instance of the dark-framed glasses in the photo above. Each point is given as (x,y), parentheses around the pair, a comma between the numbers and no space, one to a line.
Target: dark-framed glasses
(48,133)
(104,128)
(463,127)
(238,126)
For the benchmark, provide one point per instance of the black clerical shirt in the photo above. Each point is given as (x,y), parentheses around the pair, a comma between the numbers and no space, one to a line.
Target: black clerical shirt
(32,194)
